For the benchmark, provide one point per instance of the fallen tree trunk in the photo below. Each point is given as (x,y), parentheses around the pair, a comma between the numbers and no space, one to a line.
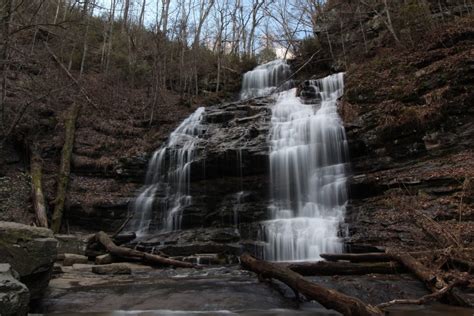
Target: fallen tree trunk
(422,300)
(428,276)
(432,278)
(357,257)
(65,166)
(127,253)
(343,268)
(382,257)
(329,298)
(36,170)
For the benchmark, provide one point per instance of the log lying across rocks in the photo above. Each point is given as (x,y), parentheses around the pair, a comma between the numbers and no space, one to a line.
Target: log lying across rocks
(357,257)
(382,256)
(344,268)
(432,278)
(132,254)
(329,298)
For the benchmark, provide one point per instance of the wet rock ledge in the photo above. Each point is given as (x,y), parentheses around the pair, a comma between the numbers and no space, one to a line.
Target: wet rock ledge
(27,255)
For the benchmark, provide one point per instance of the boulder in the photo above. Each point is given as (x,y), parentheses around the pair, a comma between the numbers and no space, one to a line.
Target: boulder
(31,252)
(14,295)
(113,268)
(104,259)
(71,244)
(71,258)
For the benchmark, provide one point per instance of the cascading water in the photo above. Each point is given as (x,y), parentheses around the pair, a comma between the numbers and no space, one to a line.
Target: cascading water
(264,79)
(168,171)
(308,165)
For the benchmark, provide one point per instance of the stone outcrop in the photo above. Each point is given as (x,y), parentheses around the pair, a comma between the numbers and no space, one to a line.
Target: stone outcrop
(112,269)
(229,183)
(71,259)
(31,252)
(409,122)
(74,244)
(14,295)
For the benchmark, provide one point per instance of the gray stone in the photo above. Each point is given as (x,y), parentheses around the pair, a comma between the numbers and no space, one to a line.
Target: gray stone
(71,244)
(31,252)
(104,259)
(71,258)
(14,295)
(113,268)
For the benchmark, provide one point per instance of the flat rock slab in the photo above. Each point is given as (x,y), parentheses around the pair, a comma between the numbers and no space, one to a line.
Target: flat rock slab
(31,252)
(71,259)
(225,290)
(113,268)
(104,259)
(75,244)
(208,289)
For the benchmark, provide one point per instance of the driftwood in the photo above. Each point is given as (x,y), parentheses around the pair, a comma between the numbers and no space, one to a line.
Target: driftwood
(36,170)
(431,277)
(343,268)
(384,257)
(65,167)
(134,255)
(357,257)
(329,298)
(424,299)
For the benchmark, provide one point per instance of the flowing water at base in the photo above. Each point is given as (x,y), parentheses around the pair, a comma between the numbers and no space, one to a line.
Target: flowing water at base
(408,310)
(308,170)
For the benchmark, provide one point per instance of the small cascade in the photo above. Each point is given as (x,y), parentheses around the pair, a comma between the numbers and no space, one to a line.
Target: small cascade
(237,208)
(264,79)
(308,165)
(168,172)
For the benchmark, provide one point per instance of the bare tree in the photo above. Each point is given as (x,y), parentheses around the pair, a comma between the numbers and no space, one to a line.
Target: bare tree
(205,7)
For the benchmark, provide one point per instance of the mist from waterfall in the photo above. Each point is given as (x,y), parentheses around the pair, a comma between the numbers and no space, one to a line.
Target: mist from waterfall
(264,79)
(308,167)
(168,171)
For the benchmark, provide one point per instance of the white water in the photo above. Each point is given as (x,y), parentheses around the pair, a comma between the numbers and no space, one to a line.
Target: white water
(169,171)
(308,175)
(264,79)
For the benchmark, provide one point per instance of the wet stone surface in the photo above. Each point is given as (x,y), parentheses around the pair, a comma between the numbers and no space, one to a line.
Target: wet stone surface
(219,290)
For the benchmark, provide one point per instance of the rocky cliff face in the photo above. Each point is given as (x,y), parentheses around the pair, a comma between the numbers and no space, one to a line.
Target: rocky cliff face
(229,183)
(31,251)
(409,120)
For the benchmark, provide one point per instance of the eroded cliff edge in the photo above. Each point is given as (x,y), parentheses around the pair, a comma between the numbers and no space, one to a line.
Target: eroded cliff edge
(409,121)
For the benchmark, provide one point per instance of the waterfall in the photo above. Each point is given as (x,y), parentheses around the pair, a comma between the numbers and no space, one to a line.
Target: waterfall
(169,172)
(264,79)
(308,166)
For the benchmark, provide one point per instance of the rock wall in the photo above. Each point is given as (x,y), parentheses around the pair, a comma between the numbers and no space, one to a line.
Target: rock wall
(31,251)
(14,295)
(409,121)
(229,183)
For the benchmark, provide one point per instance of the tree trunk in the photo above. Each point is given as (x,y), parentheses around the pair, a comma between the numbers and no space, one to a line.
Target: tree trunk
(357,257)
(7,19)
(384,257)
(343,268)
(329,298)
(127,253)
(431,277)
(65,167)
(86,34)
(126,9)
(37,188)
